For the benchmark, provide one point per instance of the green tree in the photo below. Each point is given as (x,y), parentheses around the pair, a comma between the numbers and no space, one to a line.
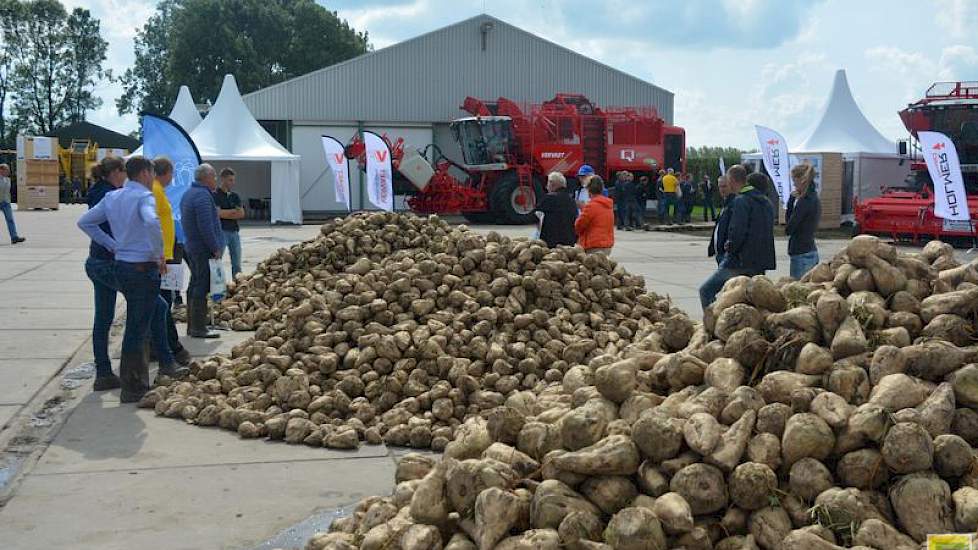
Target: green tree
(56,61)
(146,86)
(197,42)
(9,12)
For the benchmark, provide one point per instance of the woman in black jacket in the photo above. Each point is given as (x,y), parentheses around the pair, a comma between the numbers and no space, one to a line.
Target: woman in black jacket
(804,213)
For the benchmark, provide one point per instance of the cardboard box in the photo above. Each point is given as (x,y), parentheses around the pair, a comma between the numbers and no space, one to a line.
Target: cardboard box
(37,196)
(37,148)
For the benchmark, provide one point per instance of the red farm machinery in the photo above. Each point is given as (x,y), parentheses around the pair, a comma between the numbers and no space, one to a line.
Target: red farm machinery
(507,151)
(906,212)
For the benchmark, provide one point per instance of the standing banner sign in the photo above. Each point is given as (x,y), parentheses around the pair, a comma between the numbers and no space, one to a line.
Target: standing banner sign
(774,149)
(723,167)
(164,137)
(338,164)
(950,200)
(380,175)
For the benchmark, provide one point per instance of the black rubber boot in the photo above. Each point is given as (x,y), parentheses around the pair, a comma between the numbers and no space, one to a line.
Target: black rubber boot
(198,314)
(170,371)
(108,382)
(190,316)
(182,357)
(134,375)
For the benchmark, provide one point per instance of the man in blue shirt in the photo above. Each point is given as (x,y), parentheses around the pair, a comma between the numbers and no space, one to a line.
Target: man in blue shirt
(204,240)
(137,244)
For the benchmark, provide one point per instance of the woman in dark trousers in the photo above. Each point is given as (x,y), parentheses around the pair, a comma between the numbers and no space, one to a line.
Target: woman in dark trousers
(803,214)
(558,211)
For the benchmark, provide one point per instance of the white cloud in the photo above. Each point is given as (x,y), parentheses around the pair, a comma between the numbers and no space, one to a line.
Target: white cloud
(958,17)
(958,63)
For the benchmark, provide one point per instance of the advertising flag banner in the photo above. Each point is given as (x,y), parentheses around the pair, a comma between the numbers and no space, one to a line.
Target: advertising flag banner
(950,200)
(380,176)
(164,137)
(723,167)
(774,150)
(338,164)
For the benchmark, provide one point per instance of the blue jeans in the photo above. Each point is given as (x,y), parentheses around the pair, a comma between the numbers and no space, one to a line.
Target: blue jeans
(669,200)
(233,238)
(141,287)
(708,206)
(8,214)
(803,263)
(711,287)
(103,276)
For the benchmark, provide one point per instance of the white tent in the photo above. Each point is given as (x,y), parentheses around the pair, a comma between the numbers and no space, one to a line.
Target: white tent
(231,133)
(843,128)
(184,111)
(870,160)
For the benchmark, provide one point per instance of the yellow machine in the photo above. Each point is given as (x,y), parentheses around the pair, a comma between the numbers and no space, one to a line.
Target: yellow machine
(77,161)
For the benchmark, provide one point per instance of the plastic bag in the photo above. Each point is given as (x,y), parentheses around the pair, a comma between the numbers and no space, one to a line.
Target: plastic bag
(218,278)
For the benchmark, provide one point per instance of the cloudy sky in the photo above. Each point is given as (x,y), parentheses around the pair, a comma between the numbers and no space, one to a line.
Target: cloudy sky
(731,63)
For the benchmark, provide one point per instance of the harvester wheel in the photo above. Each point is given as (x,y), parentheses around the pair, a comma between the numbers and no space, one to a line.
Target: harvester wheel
(513,204)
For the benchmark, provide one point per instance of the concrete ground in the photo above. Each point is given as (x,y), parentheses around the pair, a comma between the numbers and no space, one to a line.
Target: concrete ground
(79,470)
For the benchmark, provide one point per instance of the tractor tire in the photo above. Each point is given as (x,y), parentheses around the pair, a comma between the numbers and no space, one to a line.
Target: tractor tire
(505,201)
(479,218)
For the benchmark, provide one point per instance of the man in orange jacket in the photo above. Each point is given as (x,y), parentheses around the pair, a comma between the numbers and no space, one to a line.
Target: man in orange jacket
(595,226)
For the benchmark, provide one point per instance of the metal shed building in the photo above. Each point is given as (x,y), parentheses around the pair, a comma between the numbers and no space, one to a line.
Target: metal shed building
(413,90)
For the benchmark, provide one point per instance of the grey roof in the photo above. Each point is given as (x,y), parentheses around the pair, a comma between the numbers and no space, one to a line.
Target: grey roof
(424,79)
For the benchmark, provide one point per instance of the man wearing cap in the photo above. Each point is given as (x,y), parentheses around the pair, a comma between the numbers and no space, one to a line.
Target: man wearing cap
(584,175)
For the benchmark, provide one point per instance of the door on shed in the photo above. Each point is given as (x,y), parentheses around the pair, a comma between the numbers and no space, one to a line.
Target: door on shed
(316,180)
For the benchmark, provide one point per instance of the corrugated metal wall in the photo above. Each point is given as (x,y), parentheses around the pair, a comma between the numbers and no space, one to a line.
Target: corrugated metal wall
(426,78)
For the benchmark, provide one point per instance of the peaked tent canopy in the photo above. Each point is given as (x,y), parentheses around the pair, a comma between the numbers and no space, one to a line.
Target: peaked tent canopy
(231,133)
(842,127)
(184,111)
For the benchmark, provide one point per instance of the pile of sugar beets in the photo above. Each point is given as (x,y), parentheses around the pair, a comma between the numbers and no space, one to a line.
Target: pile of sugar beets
(394,328)
(833,412)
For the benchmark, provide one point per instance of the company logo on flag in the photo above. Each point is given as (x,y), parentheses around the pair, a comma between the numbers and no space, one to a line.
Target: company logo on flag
(380,186)
(774,150)
(950,199)
(341,170)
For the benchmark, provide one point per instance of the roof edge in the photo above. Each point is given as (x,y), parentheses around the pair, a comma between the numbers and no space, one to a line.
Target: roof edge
(535,36)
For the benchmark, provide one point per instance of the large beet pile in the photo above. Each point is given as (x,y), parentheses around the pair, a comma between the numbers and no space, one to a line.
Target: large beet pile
(391,328)
(834,412)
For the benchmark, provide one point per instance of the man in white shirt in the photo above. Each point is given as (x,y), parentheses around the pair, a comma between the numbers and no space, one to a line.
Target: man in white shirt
(137,243)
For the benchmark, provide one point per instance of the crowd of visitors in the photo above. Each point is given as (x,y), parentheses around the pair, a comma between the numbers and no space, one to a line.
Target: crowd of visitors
(136,239)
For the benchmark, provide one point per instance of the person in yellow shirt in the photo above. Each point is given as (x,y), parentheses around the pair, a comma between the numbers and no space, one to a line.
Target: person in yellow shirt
(163,169)
(669,186)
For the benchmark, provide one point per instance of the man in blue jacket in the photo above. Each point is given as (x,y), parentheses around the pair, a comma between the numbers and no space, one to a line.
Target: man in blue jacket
(747,244)
(204,241)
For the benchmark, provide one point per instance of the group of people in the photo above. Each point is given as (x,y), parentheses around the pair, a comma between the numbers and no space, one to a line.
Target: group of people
(5,205)
(742,242)
(135,237)
(585,218)
(743,238)
(676,197)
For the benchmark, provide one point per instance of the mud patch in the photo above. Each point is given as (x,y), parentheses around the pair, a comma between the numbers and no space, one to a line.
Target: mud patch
(295,537)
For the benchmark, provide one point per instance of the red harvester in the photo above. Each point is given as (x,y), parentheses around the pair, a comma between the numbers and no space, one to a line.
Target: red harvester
(906,212)
(507,154)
